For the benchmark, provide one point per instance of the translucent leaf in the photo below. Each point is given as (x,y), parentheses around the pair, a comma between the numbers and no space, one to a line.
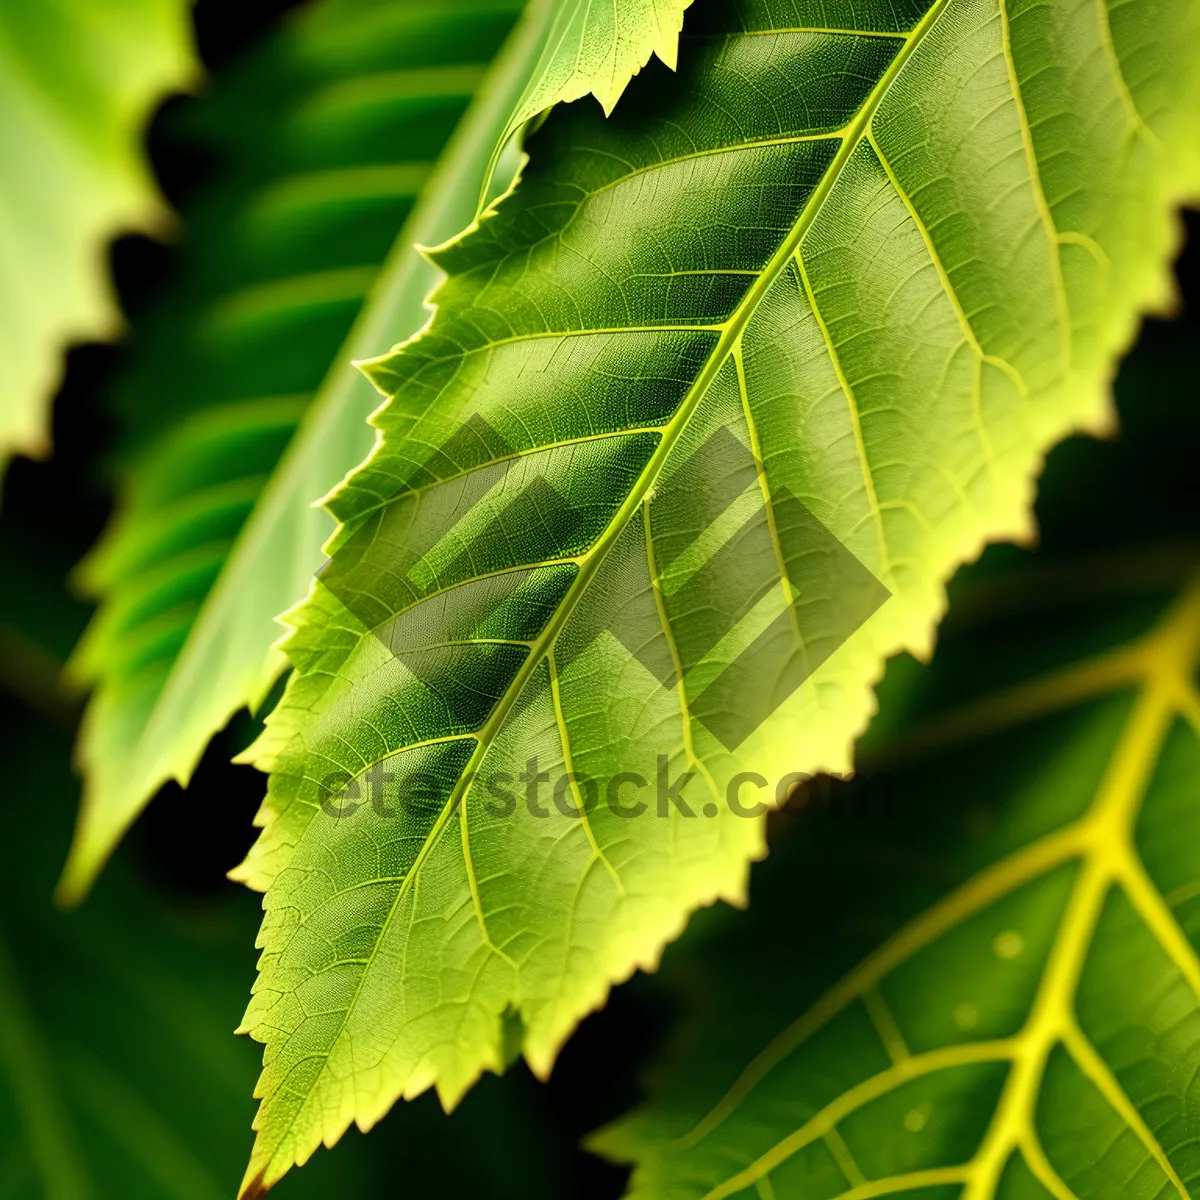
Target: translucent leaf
(77,82)
(1025,1020)
(597,49)
(711,406)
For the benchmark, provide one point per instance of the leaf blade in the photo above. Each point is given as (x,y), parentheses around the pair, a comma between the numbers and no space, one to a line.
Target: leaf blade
(597,51)
(789,244)
(228,660)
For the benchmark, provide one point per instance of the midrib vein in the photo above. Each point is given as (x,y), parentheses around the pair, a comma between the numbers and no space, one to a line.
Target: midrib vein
(730,334)
(1108,826)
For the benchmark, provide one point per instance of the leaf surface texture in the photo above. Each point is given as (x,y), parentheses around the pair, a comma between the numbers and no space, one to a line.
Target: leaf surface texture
(880,258)
(597,48)
(1024,1023)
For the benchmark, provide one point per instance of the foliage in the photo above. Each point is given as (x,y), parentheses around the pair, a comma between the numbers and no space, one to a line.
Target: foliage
(216,534)
(892,290)
(77,81)
(980,965)
(597,50)
(1030,1030)
(720,368)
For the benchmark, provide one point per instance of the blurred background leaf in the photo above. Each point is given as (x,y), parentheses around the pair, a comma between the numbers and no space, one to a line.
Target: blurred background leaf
(1027,1004)
(239,403)
(78,80)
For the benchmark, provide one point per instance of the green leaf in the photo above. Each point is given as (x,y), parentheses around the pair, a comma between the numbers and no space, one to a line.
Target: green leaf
(870,256)
(330,135)
(77,81)
(118,1073)
(218,535)
(1022,1021)
(597,49)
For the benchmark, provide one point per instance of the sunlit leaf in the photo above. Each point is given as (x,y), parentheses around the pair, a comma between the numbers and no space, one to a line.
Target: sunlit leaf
(218,535)
(837,284)
(1025,1018)
(78,79)
(597,48)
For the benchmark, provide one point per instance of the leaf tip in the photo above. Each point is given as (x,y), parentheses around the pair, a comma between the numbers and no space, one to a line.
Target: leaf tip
(254,1187)
(83,865)
(242,874)
(69,893)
